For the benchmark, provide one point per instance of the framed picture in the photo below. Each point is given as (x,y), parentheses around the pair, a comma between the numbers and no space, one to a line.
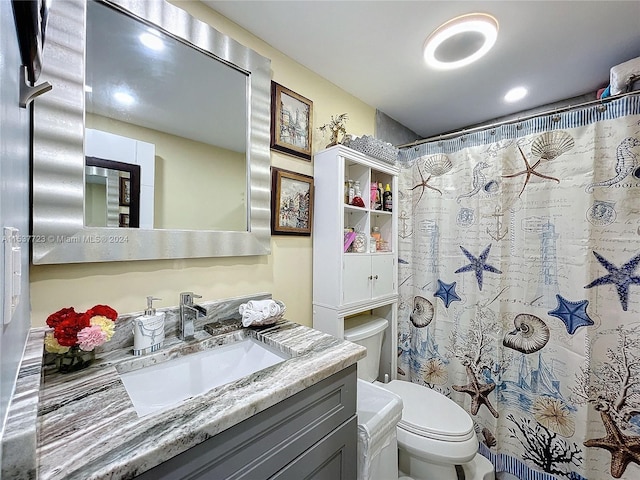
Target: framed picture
(291,122)
(291,203)
(124,220)
(125,191)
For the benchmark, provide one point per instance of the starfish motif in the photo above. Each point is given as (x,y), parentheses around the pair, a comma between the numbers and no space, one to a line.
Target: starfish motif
(529,170)
(621,277)
(573,314)
(478,392)
(623,449)
(478,265)
(424,184)
(447,292)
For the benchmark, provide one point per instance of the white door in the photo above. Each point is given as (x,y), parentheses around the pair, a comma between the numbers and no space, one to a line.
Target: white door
(383,281)
(356,284)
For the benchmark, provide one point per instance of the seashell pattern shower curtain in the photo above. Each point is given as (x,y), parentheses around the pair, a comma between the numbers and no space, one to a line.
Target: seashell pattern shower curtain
(519,266)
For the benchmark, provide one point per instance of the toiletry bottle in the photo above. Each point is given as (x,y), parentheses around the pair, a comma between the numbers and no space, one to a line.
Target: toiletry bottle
(387,201)
(373,195)
(375,234)
(148,330)
(351,193)
(380,192)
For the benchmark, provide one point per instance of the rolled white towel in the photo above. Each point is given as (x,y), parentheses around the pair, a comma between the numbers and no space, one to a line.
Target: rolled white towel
(256,312)
(268,307)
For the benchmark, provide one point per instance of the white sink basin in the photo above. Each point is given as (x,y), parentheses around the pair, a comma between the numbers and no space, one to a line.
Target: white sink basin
(160,387)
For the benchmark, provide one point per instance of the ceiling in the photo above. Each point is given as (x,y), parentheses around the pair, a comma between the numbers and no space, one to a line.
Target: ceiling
(373,50)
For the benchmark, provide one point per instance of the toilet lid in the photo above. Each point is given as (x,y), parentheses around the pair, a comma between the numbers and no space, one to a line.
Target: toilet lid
(431,414)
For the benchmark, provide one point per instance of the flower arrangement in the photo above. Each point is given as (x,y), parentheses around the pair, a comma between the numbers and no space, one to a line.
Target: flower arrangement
(336,127)
(84,331)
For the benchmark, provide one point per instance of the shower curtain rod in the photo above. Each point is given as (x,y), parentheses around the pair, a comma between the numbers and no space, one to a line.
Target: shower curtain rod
(489,126)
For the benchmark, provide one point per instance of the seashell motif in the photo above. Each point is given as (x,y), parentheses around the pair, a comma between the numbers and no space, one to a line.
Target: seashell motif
(489,438)
(530,335)
(437,165)
(422,313)
(491,187)
(551,145)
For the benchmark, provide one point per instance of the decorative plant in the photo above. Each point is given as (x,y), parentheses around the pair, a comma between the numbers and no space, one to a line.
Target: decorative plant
(336,127)
(84,331)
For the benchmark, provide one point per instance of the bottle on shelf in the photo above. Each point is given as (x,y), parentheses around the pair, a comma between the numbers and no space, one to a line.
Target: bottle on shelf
(357,196)
(373,196)
(375,235)
(380,192)
(351,192)
(387,200)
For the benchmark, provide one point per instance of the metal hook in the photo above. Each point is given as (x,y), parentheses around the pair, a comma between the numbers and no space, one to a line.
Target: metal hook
(29,93)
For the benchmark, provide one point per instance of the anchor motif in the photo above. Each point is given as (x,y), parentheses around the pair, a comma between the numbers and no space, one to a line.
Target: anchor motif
(497,237)
(403,231)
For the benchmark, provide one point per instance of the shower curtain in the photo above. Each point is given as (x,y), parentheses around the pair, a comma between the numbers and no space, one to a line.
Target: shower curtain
(519,282)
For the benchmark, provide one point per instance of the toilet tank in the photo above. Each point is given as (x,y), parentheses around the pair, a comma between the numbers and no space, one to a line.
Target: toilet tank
(368,331)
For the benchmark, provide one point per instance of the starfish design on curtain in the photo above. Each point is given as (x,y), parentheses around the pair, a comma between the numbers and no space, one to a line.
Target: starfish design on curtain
(529,170)
(573,314)
(478,392)
(621,277)
(478,265)
(424,184)
(623,449)
(447,292)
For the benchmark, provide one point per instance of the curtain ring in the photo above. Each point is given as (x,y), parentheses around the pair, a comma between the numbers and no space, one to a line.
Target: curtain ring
(555,118)
(519,126)
(492,132)
(602,107)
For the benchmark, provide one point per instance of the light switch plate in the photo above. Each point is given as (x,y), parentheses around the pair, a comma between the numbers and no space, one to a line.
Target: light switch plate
(12,272)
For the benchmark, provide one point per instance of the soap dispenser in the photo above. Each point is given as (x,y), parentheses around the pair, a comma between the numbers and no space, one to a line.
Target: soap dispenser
(148,330)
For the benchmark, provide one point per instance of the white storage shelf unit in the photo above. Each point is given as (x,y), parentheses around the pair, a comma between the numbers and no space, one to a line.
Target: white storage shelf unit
(347,284)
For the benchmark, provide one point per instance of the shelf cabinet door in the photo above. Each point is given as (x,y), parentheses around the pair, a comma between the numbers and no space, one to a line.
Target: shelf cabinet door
(356,284)
(367,277)
(383,282)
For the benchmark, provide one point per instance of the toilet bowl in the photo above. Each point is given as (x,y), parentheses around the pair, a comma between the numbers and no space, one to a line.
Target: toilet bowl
(434,434)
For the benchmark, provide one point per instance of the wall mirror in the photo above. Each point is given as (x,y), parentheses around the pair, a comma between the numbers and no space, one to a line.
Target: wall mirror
(164,92)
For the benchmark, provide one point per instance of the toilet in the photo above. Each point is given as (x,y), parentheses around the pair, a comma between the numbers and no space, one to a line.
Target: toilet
(433,433)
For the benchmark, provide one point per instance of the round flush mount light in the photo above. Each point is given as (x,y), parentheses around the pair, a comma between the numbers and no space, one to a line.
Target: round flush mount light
(461,41)
(515,94)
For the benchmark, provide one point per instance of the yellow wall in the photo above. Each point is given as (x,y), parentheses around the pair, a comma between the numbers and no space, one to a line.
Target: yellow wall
(286,273)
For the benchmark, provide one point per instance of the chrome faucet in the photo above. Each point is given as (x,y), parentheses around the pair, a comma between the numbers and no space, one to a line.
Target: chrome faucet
(189,312)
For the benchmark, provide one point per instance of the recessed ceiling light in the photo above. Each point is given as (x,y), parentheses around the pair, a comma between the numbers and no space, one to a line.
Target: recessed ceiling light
(515,94)
(152,40)
(124,98)
(461,41)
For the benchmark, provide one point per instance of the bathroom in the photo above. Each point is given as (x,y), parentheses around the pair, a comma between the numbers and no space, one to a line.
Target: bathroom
(286,272)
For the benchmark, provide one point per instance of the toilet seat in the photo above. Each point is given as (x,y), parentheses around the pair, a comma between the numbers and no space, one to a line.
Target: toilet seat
(430,414)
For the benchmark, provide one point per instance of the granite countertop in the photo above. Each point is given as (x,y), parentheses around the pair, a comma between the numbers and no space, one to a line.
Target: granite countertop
(87,427)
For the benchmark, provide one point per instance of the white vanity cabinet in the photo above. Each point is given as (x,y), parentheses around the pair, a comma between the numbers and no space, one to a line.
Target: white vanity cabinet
(346,284)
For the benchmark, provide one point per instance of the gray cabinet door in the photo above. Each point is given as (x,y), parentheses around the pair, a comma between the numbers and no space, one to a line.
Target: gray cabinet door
(332,458)
(318,424)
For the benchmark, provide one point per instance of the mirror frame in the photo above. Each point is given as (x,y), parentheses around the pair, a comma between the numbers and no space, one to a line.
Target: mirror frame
(59,233)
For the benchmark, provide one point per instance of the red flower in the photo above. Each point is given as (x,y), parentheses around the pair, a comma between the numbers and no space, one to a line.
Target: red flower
(102,310)
(61,315)
(66,332)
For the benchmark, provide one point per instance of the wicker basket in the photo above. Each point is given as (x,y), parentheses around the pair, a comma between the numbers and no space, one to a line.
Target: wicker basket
(374,148)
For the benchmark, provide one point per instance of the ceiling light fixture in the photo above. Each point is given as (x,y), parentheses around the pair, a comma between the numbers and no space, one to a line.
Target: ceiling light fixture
(461,41)
(152,40)
(515,94)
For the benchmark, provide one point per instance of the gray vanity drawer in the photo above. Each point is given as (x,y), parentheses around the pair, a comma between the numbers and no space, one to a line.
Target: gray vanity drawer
(269,443)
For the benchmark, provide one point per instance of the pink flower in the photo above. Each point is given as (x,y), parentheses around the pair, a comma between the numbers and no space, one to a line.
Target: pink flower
(91,337)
